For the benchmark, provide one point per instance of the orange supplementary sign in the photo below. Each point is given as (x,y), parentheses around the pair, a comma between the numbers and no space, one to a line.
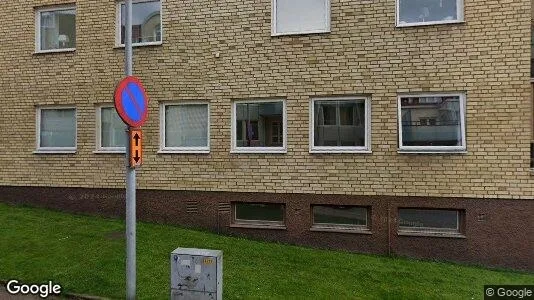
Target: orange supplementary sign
(136,147)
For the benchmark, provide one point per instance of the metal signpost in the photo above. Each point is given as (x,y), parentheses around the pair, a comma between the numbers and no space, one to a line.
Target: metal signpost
(131,103)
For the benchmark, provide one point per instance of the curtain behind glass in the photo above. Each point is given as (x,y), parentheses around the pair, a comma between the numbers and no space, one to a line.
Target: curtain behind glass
(112,129)
(58,29)
(186,125)
(58,128)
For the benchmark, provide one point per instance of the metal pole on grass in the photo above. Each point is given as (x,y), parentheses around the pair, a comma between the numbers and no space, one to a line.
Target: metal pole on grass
(130,172)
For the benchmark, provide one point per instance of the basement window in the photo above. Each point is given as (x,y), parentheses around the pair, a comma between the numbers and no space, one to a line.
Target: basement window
(429,12)
(340,218)
(259,214)
(438,222)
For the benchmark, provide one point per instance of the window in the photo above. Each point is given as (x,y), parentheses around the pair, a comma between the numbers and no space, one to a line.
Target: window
(259,126)
(146,22)
(300,16)
(56,130)
(340,125)
(259,214)
(185,128)
(332,217)
(55,29)
(428,12)
(433,123)
(111,135)
(429,221)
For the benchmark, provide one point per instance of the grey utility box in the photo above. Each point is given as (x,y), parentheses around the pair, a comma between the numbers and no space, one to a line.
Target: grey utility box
(196,274)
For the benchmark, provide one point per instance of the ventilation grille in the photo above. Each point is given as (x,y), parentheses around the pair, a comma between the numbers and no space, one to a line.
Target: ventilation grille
(191,207)
(224,207)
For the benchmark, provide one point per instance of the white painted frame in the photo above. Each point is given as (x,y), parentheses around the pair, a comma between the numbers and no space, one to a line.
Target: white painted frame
(341,149)
(182,150)
(55,150)
(38,12)
(118,24)
(235,149)
(274,31)
(459,16)
(433,149)
(98,134)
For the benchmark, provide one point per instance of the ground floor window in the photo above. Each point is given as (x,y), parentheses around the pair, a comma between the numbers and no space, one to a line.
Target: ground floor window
(259,126)
(259,213)
(185,127)
(56,129)
(418,220)
(110,129)
(340,217)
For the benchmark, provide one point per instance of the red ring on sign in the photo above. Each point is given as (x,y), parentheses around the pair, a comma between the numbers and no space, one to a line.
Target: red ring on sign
(118,101)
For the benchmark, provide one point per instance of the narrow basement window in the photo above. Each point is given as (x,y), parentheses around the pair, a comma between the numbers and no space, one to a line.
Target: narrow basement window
(419,221)
(259,214)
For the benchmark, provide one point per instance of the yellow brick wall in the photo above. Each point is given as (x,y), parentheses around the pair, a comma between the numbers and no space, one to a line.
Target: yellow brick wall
(487,57)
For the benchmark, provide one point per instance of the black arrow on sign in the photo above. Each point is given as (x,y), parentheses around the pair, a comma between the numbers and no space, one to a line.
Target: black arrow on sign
(136,138)
(136,157)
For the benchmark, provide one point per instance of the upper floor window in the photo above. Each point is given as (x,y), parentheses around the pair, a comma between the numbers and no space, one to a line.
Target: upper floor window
(259,126)
(340,125)
(146,22)
(185,127)
(432,122)
(56,129)
(55,29)
(428,12)
(300,16)
(111,136)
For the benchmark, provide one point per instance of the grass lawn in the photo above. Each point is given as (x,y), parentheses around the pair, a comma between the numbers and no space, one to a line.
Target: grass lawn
(86,255)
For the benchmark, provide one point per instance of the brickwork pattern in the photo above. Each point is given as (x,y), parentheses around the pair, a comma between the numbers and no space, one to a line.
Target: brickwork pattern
(487,57)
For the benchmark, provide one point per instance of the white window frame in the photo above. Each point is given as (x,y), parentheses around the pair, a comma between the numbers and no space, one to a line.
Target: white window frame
(38,12)
(54,150)
(235,149)
(274,31)
(169,150)
(459,16)
(433,149)
(118,24)
(341,149)
(98,126)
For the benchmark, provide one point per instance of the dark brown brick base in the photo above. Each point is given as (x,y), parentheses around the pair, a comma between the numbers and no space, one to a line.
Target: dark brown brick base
(498,233)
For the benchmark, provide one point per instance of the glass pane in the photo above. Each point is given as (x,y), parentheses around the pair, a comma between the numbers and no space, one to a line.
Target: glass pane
(259,211)
(58,128)
(146,22)
(259,124)
(431,121)
(293,16)
(429,218)
(186,125)
(112,128)
(344,215)
(417,11)
(339,123)
(58,29)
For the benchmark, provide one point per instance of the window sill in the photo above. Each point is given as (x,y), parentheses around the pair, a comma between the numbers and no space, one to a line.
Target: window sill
(333,151)
(341,229)
(402,151)
(259,151)
(259,226)
(68,50)
(184,151)
(104,151)
(135,45)
(54,151)
(275,34)
(429,23)
(432,234)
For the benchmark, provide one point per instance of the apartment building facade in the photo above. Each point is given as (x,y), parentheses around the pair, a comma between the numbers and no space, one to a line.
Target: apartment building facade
(391,126)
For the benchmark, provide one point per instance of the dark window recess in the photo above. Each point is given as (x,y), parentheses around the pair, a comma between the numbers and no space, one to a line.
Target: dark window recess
(259,213)
(340,216)
(429,220)
(532,155)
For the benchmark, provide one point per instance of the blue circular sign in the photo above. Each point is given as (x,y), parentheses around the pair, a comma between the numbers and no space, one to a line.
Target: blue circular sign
(131,101)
